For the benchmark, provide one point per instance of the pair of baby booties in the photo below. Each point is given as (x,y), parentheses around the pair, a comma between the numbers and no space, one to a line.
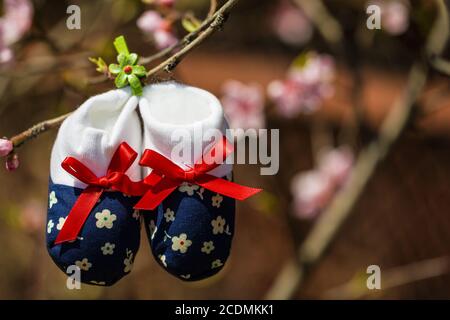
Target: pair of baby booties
(190,232)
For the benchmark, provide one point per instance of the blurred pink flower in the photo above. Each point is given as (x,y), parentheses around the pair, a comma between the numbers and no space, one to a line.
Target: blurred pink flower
(15,22)
(6,55)
(6,147)
(312,191)
(152,22)
(394,15)
(164,39)
(305,87)
(12,162)
(336,164)
(32,216)
(291,25)
(243,105)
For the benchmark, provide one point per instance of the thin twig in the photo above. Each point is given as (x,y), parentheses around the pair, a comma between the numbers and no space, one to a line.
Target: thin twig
(441,65)
(326,24)
(331,220)
(37,129)
(356,288)
(209,26)
(216,23)
(190,36)
(212,7)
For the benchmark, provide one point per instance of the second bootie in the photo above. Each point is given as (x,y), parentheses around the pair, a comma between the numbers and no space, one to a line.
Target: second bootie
(191,231)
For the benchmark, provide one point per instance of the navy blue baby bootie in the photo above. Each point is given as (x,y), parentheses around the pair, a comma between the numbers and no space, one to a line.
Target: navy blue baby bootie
(191,232)
(192,227)
(91,223)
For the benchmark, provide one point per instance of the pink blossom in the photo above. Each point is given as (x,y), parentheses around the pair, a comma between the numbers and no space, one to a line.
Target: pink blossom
(6,147)
(291,24)
(12,162)
(336,164)
(6,55)
(152,22)
(305,86)
(394,15)
(14,24)
(164,39)
(32,216)
(243,105)
(312,191)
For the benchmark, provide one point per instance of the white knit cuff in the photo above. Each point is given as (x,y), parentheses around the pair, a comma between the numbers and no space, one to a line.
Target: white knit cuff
(93,133)
(171,110)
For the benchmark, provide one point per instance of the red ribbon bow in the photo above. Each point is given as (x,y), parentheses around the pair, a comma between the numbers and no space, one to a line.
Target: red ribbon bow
(115,179)
(166,176)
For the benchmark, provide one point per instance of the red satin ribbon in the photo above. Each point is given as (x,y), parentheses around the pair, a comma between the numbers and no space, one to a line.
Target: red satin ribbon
(166,176)
(115,179)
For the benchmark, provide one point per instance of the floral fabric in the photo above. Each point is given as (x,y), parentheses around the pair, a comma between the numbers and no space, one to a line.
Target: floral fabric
(190,233)
(108,242)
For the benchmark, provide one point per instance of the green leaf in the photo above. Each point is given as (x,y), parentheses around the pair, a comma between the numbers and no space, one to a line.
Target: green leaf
(190,24)
(121,80)
(122,59)
(132,59)
(301,60)
(100,63)
(135,83)
(139,71)
(114,68)
(121,45)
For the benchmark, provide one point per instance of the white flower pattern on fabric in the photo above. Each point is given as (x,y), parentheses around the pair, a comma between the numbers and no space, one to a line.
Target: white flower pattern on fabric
(52,200)
(162,258)
(185,276)
(105,219)
(217,200)
(216,264)
(152,228)
(218,224)
(136,214)
(169,215)
(60,224)
(128,261)
(188,188)
(84,264)
(50,226)
(181,243)
(208,246)
(108,248)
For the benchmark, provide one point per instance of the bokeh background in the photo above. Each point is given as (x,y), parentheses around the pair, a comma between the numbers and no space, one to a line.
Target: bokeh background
(402,220)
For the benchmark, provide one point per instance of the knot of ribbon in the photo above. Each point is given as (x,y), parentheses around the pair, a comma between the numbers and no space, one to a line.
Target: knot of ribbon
(115,179)
(166,176)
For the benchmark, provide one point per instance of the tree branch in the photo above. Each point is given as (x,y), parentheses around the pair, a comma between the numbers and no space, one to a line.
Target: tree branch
(331,220)
(441,65)
(189,42)
(37,129)
(326,24)
(213,24)
(191,36)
